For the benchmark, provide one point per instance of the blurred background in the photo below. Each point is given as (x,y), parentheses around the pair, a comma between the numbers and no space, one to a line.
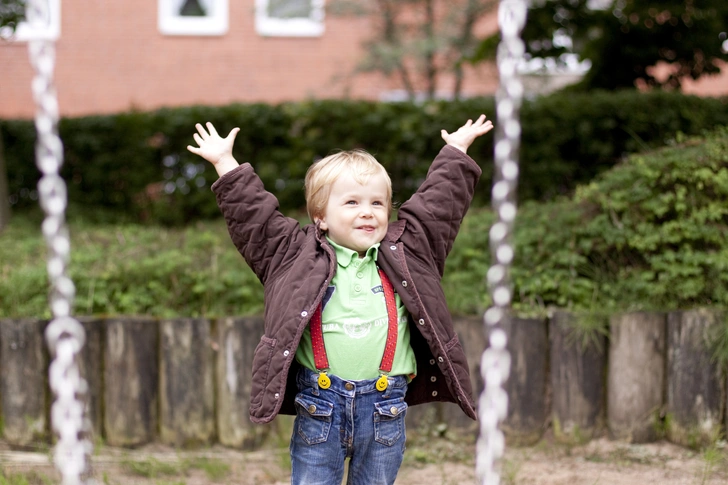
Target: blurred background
(604,80)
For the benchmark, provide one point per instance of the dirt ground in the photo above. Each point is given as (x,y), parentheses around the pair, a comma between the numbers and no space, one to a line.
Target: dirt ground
(427,461)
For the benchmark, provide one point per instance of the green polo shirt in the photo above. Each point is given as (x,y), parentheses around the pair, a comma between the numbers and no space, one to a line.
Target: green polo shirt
(354,322)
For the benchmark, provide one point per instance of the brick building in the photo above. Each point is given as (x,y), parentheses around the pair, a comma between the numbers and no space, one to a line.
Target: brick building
(114,56)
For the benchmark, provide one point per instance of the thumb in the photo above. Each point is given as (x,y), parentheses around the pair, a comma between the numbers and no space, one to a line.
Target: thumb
(444,134)
(233,133)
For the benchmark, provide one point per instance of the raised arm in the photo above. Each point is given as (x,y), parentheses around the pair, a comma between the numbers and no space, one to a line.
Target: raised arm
(435,211)
(215,149)
(260,232)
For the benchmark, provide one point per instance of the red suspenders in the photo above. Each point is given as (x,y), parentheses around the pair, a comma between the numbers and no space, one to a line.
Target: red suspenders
(319,349)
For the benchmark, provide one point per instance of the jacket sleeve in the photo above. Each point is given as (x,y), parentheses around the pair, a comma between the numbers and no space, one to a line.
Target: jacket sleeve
(434,213)
(260,232)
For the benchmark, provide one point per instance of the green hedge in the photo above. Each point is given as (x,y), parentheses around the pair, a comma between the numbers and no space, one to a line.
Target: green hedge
(136,166)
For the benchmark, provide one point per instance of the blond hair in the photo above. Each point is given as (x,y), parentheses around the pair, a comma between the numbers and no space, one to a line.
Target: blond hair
(319,177)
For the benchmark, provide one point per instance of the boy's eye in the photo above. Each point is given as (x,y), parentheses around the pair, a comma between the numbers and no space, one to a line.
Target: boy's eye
(376,202)
(351,202)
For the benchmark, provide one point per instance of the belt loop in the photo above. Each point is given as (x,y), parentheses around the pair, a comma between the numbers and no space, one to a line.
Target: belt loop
(390,386)
(312,381)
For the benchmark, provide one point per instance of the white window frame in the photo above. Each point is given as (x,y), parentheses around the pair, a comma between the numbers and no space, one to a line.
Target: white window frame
(24,32)
(169,23)
(312,26)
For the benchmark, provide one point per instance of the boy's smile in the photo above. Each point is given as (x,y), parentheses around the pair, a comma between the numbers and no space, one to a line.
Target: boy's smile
(357,215)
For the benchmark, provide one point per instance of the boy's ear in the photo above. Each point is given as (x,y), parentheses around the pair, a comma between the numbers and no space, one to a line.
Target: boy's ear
(321,223)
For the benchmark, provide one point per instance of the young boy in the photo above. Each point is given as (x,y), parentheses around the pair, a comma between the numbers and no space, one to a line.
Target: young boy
(356,322)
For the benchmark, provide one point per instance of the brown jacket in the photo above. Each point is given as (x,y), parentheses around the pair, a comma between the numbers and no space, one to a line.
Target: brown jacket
(296,264)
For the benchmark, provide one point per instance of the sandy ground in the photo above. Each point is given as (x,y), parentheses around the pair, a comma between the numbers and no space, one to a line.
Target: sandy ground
(428,461)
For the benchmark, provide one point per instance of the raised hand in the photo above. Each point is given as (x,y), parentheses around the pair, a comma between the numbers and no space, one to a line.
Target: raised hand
(215,149)
(466,134)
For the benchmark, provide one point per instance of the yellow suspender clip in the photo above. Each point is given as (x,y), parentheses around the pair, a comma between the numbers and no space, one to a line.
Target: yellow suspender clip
(323,381)
(382,383)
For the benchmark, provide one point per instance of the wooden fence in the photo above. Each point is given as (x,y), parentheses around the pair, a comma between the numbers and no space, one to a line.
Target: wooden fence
(185,382)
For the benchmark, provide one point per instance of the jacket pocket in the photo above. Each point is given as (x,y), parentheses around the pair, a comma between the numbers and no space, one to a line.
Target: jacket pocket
(313,418)
(261,367)
(389,421)
(452,343)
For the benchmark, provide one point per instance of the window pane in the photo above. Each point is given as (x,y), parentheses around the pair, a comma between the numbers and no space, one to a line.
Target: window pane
(193,17)
(289,9)
(192,8)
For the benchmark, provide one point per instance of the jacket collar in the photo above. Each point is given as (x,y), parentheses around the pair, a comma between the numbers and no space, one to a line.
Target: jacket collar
(394,230)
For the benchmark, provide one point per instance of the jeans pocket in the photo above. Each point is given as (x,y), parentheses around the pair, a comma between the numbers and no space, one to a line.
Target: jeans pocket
(389,421)
(313,418)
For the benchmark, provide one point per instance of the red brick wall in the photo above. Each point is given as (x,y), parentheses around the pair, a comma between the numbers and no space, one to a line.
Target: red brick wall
(111,57)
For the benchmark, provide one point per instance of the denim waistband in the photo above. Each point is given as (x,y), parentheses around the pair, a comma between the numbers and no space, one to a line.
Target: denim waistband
(308,378)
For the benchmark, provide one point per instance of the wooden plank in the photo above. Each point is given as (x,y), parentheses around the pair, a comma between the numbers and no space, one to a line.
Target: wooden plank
(131,381)
(526,386)
(577,380)
(89,362)
(187,394)
(636,376)
(236,339)
(695,388)
(24,395)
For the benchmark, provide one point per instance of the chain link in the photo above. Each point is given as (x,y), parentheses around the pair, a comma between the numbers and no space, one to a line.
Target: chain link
(496,362)
(65,336)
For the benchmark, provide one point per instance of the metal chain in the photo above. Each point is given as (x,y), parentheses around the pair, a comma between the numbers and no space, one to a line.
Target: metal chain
(65,336)
(496,361)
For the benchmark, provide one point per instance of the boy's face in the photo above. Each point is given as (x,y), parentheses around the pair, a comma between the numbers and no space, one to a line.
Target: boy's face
(356,216)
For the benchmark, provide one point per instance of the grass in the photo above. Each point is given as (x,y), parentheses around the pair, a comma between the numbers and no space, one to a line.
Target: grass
(29,478)
(215,470)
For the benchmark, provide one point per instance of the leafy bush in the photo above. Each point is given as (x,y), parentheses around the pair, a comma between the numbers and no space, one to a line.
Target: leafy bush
(130,270)
(648,234)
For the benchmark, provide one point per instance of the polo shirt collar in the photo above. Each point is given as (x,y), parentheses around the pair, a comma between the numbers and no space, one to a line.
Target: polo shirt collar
(344,256)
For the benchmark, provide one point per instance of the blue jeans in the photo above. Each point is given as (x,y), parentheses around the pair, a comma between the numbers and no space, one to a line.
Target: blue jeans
(350,419)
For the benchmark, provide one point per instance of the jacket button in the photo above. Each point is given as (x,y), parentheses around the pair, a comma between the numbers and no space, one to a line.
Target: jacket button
(434,393)
(404,283)
(277,395)
(311,409)
(421,321)
(349,386)
(285,353)
(393,410)
(433,379)
(441,359)
(304,313)
(432,361)
(393,248)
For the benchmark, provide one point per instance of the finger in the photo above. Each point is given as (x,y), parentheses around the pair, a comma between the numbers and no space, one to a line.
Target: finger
(480,120)
(197,139)
(486,127)
(212,130)
(444,134)
(201,130)
(194,150)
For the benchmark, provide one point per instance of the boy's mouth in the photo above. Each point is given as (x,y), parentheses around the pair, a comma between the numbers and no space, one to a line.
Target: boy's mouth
(367,228)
